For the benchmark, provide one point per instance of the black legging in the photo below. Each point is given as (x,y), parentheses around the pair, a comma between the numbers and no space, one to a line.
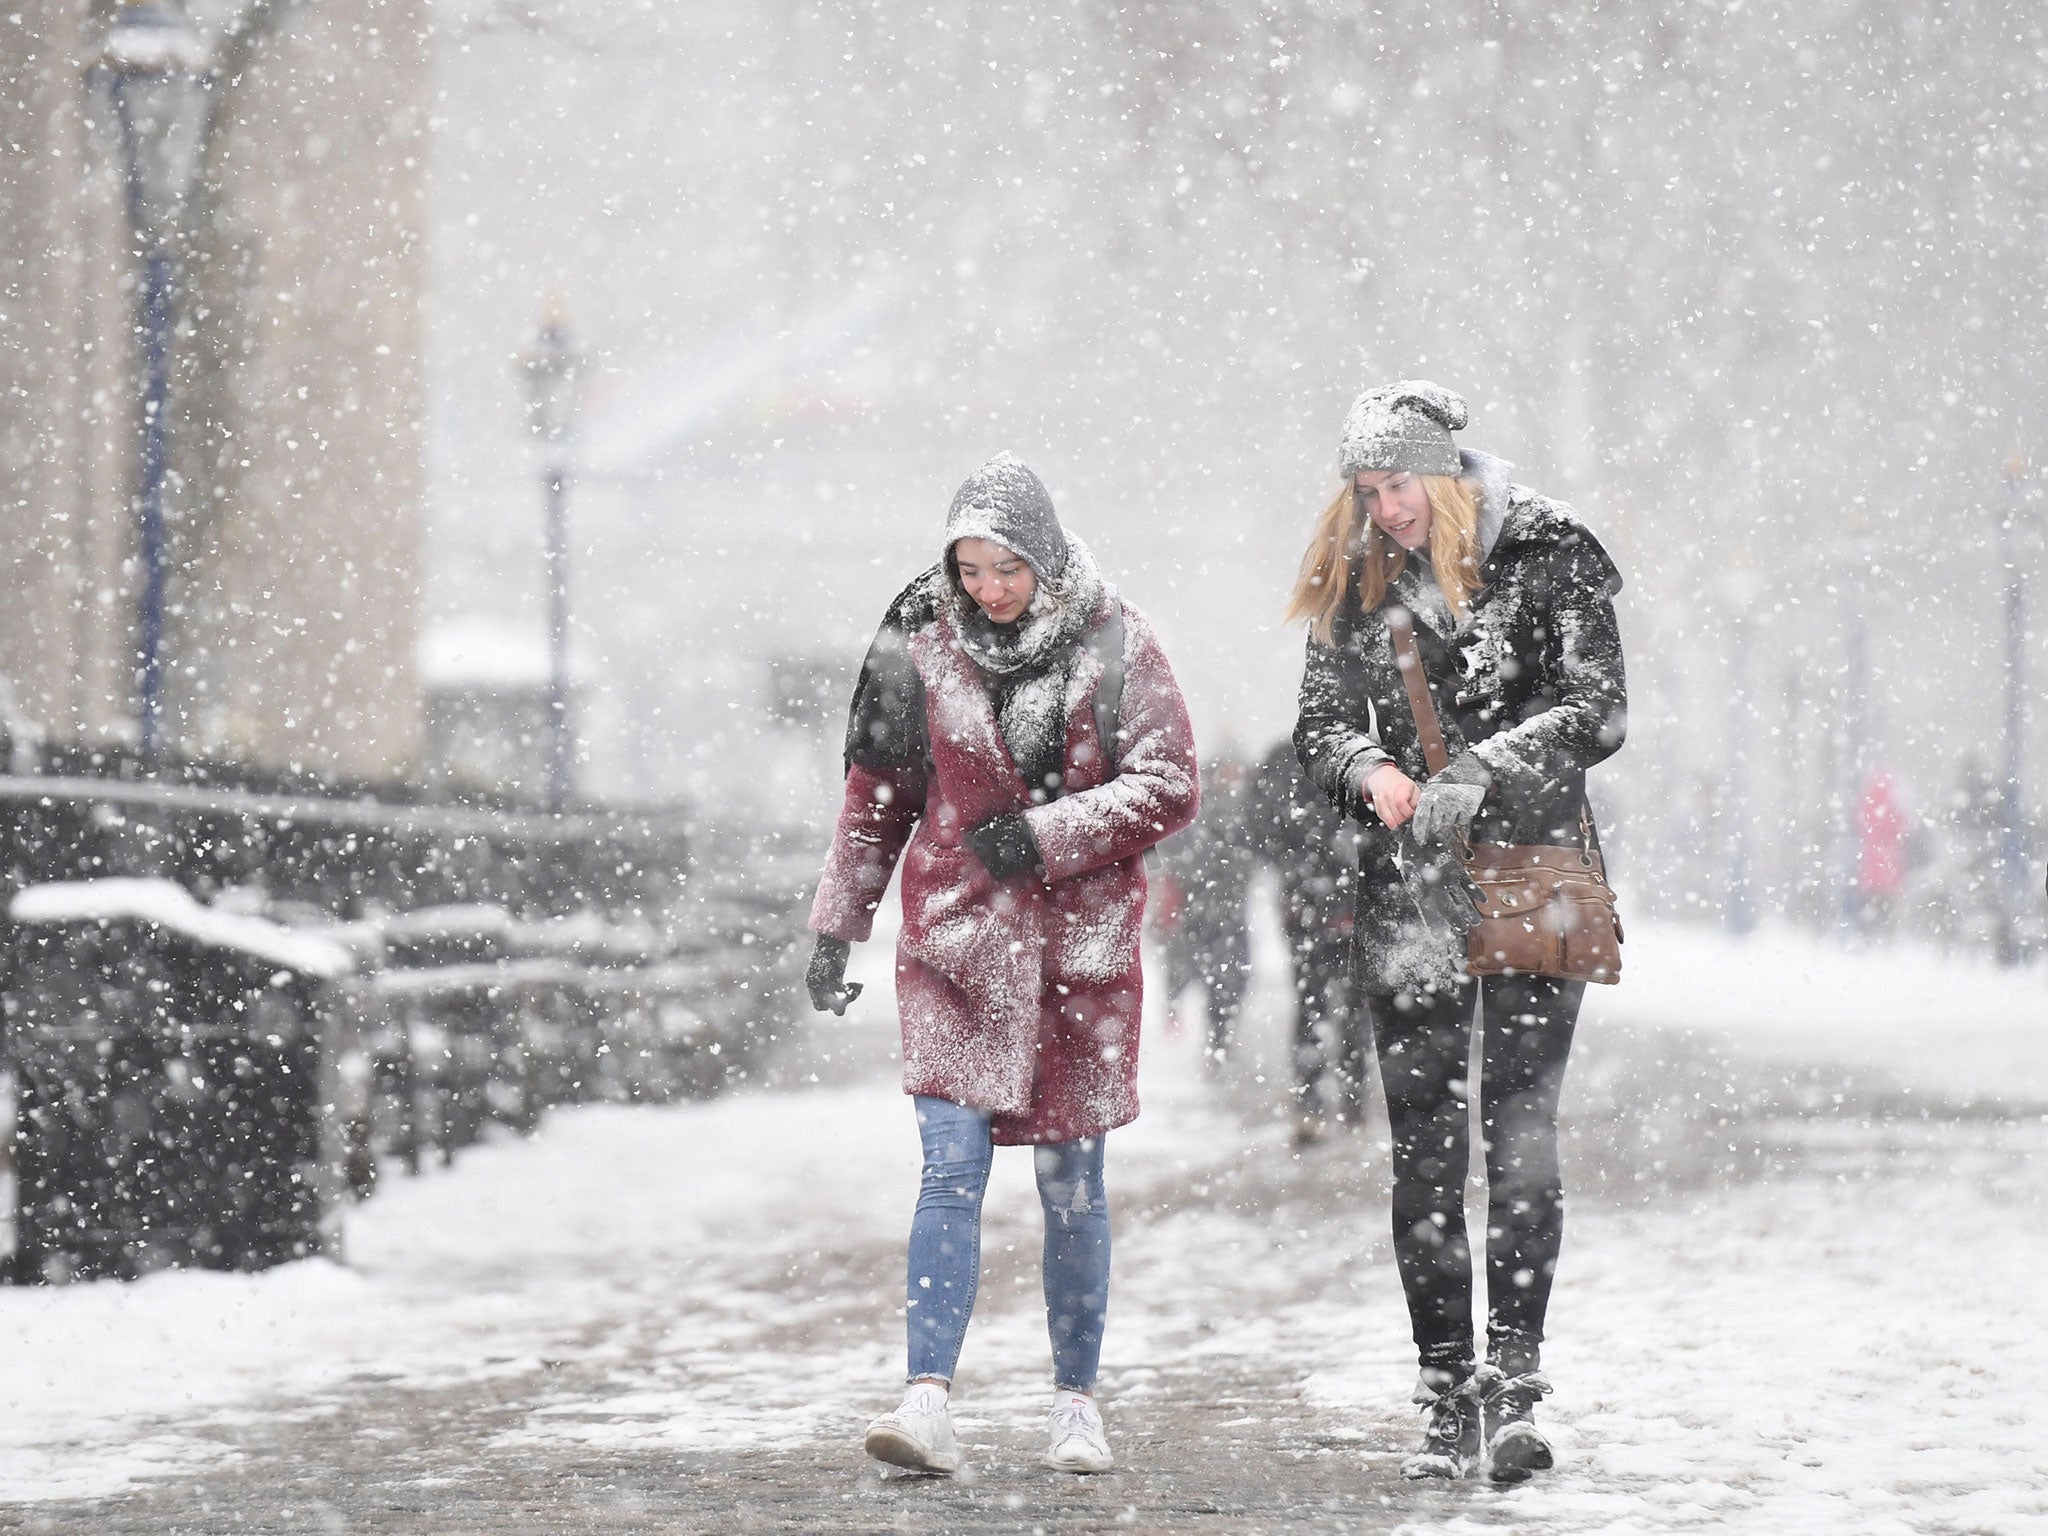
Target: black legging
(1425,1053)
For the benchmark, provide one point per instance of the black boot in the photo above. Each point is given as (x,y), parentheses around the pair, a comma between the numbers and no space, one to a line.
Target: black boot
(1450,1426)
(1515,1447)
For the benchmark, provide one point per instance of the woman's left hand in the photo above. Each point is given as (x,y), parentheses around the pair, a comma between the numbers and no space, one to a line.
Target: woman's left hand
(1004,845)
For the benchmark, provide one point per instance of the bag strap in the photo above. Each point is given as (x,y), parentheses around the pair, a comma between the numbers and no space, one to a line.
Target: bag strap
(1402,627)
(1106,643)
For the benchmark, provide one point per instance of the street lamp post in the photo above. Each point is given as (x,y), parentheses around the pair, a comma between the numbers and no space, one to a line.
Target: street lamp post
(2013,551)
(1855,561)
(156,71)
(554,378)
(1745,592)
(1856,734)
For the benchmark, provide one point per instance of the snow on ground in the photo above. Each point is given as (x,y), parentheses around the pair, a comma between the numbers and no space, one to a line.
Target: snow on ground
(524,1250)
(1851,1347)
(1792,1360)
(1956,1025)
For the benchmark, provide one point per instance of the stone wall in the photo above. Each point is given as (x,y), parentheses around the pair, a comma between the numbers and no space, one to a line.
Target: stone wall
(296,429)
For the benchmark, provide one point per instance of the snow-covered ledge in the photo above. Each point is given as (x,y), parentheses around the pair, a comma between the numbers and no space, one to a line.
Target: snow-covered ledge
(170,906)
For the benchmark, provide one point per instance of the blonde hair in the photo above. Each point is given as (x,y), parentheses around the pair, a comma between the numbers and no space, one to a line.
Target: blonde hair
(1348,546)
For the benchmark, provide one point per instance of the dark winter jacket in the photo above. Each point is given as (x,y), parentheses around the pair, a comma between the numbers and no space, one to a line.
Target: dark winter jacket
(1212,863)
(1532,683)
(1021,996)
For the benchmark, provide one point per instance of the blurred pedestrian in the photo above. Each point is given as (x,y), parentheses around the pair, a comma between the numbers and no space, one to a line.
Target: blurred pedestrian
(1983,896)
(1206,931)
(1511,601)
(1881,847)
(1018,742)
(1313,850)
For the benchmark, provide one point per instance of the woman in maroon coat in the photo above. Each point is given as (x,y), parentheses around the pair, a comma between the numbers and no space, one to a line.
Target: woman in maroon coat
(1018,742)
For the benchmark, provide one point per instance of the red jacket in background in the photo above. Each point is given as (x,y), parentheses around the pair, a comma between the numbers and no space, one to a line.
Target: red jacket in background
(1880,839)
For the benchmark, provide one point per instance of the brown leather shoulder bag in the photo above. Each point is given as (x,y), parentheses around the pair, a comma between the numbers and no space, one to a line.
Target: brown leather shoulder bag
(1543,910)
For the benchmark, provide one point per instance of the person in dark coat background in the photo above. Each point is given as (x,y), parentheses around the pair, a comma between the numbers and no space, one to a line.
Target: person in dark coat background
(1205,926)
(1512,601)
(1312,849)
(976,754)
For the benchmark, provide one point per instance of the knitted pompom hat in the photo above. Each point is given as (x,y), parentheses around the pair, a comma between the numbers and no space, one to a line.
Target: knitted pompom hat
(1402,426)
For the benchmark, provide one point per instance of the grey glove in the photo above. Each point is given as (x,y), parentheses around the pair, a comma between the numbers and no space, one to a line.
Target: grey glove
(826,977)
(1444,894)
(1444,811)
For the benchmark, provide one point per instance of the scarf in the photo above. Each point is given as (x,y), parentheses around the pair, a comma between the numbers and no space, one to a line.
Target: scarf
(1027,665)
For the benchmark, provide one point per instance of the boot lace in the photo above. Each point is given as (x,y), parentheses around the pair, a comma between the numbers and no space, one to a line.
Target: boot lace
(1510,1397)
(1448,1416)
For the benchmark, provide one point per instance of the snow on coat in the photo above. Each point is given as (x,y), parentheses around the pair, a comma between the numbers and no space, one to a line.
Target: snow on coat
(1532,683)
(1022,997)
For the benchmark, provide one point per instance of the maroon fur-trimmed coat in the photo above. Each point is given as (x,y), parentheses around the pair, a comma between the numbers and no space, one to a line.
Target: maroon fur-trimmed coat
(1021,997)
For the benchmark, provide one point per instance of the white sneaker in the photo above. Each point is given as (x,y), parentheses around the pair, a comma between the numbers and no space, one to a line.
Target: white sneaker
(919,1434)
(1078,1443)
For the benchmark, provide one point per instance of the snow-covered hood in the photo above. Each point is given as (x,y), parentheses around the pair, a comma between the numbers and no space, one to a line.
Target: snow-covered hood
(1005,503)
(1528,517)
(1491,472)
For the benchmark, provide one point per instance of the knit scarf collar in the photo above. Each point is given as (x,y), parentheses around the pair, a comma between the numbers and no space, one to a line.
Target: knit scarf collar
(1049,629)
(1028,665)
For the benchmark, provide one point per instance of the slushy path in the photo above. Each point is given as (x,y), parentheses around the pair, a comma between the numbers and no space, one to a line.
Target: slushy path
(1793,1298)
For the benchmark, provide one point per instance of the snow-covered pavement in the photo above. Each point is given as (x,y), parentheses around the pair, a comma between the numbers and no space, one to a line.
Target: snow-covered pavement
(1798,1294)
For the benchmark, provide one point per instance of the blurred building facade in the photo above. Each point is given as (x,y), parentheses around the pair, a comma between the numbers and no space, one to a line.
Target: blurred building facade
(1698,293)
(297,469)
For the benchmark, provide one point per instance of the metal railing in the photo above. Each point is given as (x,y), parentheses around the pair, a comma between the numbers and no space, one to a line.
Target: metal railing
(230,1009)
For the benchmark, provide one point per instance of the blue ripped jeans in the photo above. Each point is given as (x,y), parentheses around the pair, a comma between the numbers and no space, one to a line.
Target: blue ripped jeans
(945,1244)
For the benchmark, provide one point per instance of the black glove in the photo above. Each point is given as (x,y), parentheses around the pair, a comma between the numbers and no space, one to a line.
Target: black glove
(1448,802)
(1004,844)
(830,990)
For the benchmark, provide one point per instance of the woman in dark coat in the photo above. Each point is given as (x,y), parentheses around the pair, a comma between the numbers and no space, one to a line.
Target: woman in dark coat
(1018,742)
(1512,602)
(1314,854)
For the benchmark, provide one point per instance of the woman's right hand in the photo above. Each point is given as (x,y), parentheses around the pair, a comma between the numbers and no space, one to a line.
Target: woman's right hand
(826,976)
(1393,794)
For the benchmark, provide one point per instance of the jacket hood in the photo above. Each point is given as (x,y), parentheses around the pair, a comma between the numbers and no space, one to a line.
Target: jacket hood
(1535,521)
(1005,503)
(1495,489)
